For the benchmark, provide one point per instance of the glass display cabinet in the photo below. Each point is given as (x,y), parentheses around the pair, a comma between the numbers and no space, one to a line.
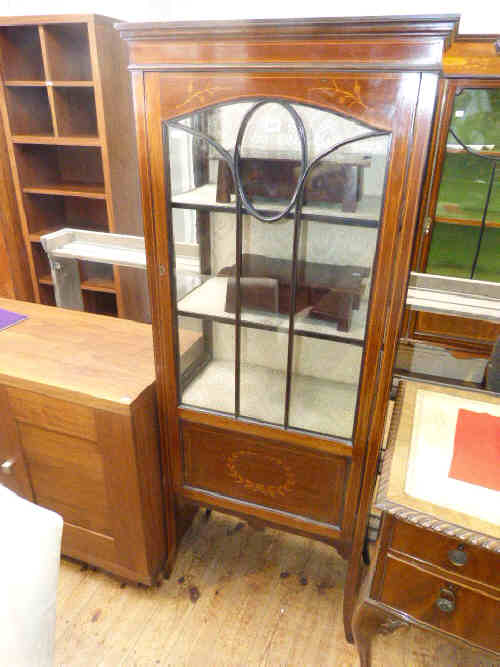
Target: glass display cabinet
(460,225)
(281,164)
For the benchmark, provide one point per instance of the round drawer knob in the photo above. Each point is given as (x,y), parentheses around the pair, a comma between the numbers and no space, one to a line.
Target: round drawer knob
(7,467)
(446,601)
(457,557)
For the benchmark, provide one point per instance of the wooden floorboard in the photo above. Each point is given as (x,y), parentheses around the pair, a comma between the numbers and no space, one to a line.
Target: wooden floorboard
(237,596)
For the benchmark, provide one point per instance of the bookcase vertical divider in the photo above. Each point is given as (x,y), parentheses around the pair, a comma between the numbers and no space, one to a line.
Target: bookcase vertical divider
(48,79)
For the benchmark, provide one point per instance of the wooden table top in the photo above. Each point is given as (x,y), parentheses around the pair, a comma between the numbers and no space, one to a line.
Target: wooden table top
(93,359)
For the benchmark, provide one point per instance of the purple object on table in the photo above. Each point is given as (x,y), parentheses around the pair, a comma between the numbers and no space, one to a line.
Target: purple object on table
(8,318)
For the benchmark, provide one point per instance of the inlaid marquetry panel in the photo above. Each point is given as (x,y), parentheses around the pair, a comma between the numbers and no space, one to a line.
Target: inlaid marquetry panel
(354,94)
(275,475)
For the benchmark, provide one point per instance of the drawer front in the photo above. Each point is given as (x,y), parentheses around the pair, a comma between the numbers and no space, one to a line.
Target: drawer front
(471,615)
(278,476)
(52,413)
(447,552)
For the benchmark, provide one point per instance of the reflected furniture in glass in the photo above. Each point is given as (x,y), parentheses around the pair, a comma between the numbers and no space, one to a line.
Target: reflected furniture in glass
(459,228)
(292,277)
(436,563)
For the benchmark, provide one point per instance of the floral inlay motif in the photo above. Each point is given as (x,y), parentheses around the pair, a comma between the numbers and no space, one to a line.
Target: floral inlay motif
(271,490)
(342,96)
(201,97)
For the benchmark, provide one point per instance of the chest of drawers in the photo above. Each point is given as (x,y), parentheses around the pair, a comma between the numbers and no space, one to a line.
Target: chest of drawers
(434,567)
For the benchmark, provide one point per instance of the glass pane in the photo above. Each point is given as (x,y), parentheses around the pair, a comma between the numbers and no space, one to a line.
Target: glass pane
(207,364)
(452,249)
(475,120)
(488,263)
(467,194)
(203,242)
(201,268)
(193,349)
(493,213)
(271,161)
(335,264)
(266,271)
(464,187)
(263,374)
(324,386)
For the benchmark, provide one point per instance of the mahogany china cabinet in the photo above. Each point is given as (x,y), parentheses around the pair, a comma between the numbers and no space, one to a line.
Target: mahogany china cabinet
(281,165)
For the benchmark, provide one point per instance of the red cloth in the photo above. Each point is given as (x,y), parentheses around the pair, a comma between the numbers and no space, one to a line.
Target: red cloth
(476,452)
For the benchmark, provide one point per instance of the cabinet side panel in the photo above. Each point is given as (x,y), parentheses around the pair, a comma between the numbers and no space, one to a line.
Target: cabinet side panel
(421,115)
(147,440)
(116,442)
(15,279)
(118,121)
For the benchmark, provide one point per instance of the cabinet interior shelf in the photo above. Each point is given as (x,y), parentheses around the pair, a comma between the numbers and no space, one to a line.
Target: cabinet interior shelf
(35,236)
(98,285)
(309,397)
(481,151)
(207,301)
(51,140)
(65,84)
(71,84)
(203,198)
(89,190)
(27,83)
(93,285)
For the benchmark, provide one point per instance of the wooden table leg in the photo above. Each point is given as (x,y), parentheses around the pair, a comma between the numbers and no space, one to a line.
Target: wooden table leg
(368,620)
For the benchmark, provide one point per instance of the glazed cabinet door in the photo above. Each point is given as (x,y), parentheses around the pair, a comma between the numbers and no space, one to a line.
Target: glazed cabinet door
(461,231)
(275,210)
(277,202)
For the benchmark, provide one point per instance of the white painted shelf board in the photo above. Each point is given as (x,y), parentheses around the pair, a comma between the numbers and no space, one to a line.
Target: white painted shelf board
(100,247)
(454,296)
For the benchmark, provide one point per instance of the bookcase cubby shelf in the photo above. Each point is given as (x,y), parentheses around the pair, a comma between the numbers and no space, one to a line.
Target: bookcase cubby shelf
(67,110)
